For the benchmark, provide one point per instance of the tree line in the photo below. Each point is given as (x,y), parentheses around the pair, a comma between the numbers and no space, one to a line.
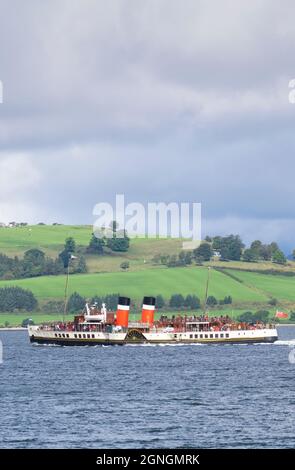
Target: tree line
(229,248)
(177,301)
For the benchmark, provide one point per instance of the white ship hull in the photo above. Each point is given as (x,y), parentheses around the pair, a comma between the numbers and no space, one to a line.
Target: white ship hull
(133,336)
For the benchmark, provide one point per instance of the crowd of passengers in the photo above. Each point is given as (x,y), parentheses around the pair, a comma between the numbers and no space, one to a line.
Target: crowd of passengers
(183,323)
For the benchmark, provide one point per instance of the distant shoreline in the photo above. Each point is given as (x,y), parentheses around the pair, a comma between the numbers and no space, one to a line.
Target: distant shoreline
(13,328)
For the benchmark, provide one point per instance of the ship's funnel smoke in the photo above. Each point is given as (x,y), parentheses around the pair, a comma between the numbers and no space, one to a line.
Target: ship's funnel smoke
(122,316)
(148,310)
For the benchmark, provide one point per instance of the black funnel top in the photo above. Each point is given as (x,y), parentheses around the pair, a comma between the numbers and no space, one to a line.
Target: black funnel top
(123,301)
(149,301)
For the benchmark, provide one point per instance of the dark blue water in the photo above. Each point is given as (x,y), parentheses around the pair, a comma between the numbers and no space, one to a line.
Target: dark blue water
(147,396)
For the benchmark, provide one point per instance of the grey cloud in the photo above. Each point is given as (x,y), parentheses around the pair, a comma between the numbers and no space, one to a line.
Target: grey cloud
(160,100)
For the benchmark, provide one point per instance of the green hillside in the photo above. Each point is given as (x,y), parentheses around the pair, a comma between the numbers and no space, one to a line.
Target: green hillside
(248,289)
(165,281)
(279,287)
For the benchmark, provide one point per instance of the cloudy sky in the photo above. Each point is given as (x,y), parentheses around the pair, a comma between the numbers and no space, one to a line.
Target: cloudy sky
(162,100)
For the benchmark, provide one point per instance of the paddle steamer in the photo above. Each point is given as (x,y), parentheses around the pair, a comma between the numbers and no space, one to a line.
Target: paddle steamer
(99,327)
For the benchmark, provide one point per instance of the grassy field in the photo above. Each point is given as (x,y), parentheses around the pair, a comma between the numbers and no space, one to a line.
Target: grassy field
(280,287)
(163,281)
(50,239)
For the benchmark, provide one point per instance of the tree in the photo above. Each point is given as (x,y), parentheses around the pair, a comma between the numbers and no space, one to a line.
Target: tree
(176,301)
(224,253)
(211,301)
(246,317)
(230,247)
(76,303)
(188,301)
(160,302)
(265,252)
(65,257)
(274,247)
(119,243)
(293,254)
(16,298)
(81,265)
(261,315)
(204,252)
(96,245)
(34,256)
(70,245)
(125,265)
(256,247)
(226,300)
(192,302)
(195,303)
(250,255)
(278,257)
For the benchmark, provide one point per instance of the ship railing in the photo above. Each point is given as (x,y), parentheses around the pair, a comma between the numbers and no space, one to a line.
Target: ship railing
(138,325)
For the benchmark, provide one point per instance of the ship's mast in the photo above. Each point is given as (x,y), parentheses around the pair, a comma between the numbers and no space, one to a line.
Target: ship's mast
(66,286)
(207,288)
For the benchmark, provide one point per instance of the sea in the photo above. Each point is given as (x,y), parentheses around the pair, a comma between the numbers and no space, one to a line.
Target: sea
(147,396)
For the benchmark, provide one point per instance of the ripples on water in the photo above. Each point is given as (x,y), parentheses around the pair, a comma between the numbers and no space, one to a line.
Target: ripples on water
(183,396)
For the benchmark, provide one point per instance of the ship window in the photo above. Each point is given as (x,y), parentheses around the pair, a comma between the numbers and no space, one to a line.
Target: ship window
(75,336)
(175,336)
(227,335)
(84,336)
(211,336)
(93,336)
(196,336)
(59,335)
(88,336)
(201,336)
(191,336)
(80,336)
(68,336)
(63,335)
(206,336)
(216,335)
(221,336)
(56,335)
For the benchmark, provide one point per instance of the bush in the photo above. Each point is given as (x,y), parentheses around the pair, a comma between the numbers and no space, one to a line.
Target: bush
(26,322)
